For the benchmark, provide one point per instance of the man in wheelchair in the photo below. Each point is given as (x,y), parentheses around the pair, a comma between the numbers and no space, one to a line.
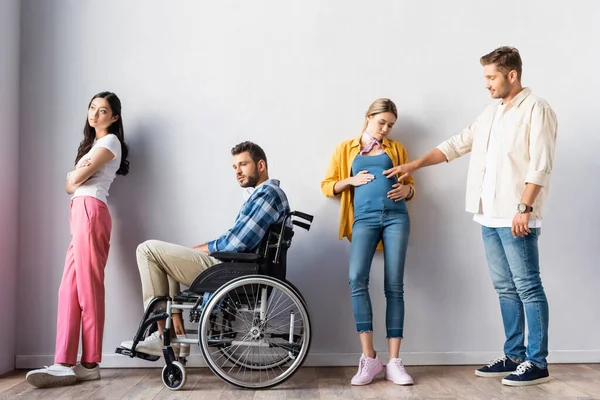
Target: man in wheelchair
(163,266)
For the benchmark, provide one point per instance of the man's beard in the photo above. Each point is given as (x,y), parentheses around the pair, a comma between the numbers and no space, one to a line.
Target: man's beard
(502,92)
(251,182)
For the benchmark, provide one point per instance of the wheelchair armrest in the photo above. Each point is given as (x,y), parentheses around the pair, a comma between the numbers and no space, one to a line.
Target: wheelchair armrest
(232,256)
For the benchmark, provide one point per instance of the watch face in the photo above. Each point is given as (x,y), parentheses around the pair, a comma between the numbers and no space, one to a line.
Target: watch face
(521,207)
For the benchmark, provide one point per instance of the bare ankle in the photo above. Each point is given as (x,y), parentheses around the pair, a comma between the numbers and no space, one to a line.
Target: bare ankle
(371,354)
(178,327)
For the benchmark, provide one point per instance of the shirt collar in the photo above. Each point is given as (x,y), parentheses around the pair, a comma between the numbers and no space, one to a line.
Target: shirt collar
(356,142)
(249,190)
(519,98)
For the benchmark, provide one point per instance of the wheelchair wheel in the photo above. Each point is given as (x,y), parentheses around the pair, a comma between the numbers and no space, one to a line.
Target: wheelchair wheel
(262,362)
(256,365)
(175,379)
(255,332)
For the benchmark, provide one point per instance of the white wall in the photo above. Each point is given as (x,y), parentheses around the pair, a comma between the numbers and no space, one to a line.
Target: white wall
(196,78)
(9,174)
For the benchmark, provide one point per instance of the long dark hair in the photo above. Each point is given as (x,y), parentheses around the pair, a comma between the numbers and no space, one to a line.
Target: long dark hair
(89,133)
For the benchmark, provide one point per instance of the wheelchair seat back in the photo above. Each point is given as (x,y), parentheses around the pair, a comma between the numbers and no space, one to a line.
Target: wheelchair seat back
(268,259)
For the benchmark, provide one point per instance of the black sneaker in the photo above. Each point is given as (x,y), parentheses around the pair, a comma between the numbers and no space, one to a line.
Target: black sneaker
(499,367)
(527,374)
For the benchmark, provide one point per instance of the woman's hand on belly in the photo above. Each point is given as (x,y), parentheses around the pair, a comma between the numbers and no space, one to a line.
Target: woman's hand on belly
(398,192)
(362,178)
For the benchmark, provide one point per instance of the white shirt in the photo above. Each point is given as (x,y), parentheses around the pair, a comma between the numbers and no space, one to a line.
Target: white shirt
(488,187)
(526,141)
(98,184)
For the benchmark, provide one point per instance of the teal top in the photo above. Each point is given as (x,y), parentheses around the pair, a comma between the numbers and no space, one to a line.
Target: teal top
(372,197)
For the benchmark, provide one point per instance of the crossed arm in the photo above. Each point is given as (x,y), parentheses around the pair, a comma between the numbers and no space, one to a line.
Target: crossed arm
(85,168)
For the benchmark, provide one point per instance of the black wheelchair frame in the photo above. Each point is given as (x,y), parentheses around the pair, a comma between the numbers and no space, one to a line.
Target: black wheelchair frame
(268,266)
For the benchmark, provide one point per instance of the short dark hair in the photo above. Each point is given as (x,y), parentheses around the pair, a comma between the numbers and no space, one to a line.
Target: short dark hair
(506,59)
(255,151)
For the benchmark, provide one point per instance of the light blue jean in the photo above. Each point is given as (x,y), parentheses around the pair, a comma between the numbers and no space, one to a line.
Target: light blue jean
(515,271)
(368,229)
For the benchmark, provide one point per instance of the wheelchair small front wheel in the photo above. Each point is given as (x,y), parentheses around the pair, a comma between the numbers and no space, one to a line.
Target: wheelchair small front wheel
(175,378)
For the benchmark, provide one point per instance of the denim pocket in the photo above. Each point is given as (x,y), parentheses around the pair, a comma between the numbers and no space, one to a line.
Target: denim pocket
(535,232)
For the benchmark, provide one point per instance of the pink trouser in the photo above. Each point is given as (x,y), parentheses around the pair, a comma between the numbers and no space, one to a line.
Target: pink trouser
(81,293)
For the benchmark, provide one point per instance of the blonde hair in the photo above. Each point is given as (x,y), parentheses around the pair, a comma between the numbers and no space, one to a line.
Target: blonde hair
(380,106)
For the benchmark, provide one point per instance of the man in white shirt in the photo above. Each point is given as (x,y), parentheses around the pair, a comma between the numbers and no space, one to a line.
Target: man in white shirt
(512,146)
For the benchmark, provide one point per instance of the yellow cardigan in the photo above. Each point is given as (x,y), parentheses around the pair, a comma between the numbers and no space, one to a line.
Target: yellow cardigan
(340,168)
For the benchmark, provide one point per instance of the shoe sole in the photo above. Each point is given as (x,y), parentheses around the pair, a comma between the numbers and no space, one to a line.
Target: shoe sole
(400,383)
(88,378)
(493,374)
(525,383)
(366,383)
(45,380)
(361,384)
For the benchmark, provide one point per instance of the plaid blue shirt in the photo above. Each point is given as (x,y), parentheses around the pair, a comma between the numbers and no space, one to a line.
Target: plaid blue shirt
(267,205)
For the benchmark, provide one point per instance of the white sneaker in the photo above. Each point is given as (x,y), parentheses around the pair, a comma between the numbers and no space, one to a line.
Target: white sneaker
(367,369)
(86,374)
(395,372)
(54,375)
(184,348)
(152,345)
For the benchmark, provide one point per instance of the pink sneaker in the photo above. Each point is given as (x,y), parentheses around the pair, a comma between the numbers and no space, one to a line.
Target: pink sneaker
(395,372)
(367,369)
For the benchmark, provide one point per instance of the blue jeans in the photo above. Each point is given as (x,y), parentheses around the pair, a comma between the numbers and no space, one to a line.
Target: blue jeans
(368,229)
(515,270)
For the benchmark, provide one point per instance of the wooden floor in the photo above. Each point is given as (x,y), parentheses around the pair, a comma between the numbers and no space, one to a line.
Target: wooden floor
(568,381)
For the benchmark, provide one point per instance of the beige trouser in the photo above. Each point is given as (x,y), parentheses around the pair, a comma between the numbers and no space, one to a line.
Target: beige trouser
(163,266)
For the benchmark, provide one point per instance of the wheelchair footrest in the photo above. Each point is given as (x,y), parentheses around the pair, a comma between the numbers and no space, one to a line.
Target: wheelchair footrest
(128,352)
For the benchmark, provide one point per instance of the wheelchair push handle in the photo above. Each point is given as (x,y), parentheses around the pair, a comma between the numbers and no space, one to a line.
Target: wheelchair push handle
(301,224)
(302,215)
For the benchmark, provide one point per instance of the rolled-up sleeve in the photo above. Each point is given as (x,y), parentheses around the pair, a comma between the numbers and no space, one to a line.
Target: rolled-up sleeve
(459,145)
(332,176)
(542,143)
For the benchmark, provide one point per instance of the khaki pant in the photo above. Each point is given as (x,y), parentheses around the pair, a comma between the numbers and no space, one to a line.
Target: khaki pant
(163,266)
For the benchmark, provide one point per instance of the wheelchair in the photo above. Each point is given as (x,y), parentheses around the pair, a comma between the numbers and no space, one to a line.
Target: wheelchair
(253,326)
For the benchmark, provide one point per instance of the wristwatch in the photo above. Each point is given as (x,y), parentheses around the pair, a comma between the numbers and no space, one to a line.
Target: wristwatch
(524,208)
